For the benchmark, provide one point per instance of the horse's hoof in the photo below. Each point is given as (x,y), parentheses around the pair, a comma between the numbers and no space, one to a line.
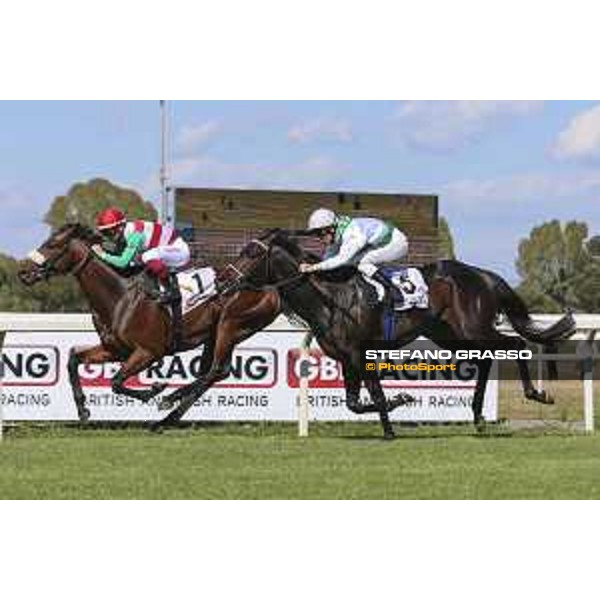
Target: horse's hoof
(169,401)
(545,398)
(540,396)
(480,425)
(157,427)
(166,404)
(399,400)
(389,435)
(84,414)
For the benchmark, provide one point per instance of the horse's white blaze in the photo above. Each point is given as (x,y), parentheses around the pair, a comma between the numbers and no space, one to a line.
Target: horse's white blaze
(37,257)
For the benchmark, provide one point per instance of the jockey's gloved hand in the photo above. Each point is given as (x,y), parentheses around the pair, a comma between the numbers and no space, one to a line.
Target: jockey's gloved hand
(307,268)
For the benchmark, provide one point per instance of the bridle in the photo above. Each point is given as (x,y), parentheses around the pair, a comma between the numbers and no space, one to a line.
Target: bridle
(240,281)
(266,249)
(47,266)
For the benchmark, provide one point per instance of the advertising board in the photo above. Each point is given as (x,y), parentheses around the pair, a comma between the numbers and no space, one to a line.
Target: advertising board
(263,386)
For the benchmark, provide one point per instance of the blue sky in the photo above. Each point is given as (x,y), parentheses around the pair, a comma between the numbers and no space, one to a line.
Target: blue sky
(500,168)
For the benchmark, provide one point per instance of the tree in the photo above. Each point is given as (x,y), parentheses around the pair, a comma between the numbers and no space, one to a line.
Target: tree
(12,294)
(84,201)
(446,242)
(58,295)
(558,269)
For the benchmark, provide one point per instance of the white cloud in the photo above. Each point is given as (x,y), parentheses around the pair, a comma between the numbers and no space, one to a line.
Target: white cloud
(446,125)
(581,138)
(315,172)
(537,187)
(323,130)
(489,217)
(191,137)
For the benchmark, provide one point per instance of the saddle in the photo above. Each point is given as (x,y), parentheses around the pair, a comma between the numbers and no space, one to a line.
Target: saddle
(339,275)
(187,290)
(410,284)
(150,287)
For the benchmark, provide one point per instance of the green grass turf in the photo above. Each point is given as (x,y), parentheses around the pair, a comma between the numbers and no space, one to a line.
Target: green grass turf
(269,461)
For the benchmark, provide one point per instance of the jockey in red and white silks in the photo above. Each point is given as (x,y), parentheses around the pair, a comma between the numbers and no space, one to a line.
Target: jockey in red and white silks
(159,247)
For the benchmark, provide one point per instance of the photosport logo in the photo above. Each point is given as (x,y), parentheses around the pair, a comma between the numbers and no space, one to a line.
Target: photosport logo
(425,361)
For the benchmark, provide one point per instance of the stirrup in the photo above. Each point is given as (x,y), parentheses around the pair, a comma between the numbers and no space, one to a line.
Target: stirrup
(171,293)
(372,296)
(165,297)
(393,297)
(168,296)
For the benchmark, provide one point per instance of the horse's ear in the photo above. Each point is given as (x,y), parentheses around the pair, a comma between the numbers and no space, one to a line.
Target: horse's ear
(83,232)
(300,232)
(270,233)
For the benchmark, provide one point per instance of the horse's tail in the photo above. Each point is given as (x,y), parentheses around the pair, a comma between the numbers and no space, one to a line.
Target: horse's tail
(518,315)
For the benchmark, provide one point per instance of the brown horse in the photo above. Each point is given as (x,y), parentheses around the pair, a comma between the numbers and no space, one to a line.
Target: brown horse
(136,330)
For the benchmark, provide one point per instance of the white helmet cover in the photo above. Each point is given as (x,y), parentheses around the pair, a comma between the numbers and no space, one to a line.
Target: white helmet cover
(322,217)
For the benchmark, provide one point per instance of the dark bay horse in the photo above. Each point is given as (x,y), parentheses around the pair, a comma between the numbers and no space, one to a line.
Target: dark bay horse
(137,331)
(465,302)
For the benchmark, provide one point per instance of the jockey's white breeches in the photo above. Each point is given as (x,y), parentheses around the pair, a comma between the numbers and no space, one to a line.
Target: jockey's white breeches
(175,255)
(395,249)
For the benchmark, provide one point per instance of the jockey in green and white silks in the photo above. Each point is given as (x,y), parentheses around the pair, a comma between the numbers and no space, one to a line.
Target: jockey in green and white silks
(364,241)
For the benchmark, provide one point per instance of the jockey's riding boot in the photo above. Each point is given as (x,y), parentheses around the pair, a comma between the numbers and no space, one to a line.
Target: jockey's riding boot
(372,296)
(393,296)
(169,293)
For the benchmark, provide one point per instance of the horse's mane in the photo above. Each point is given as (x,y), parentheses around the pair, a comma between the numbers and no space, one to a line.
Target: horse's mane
(286,240)
(90,236)
(80,231)
(341,297)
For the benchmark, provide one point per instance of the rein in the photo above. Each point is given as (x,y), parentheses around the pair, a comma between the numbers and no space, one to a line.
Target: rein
(82,263)
(278,285)
(239,283)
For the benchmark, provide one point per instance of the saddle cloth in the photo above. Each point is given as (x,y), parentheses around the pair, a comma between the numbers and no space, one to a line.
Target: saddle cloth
(410,282)
(196,285)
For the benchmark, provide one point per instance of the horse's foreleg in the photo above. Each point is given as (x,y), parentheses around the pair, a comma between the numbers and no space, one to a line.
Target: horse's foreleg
(216,365)
(206,361)
(240,319)
(88,356)
(380,403)
(192,392)
(352,385)
(137,361)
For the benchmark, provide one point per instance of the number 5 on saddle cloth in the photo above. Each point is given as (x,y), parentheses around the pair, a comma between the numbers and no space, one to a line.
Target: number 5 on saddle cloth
(412,293)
